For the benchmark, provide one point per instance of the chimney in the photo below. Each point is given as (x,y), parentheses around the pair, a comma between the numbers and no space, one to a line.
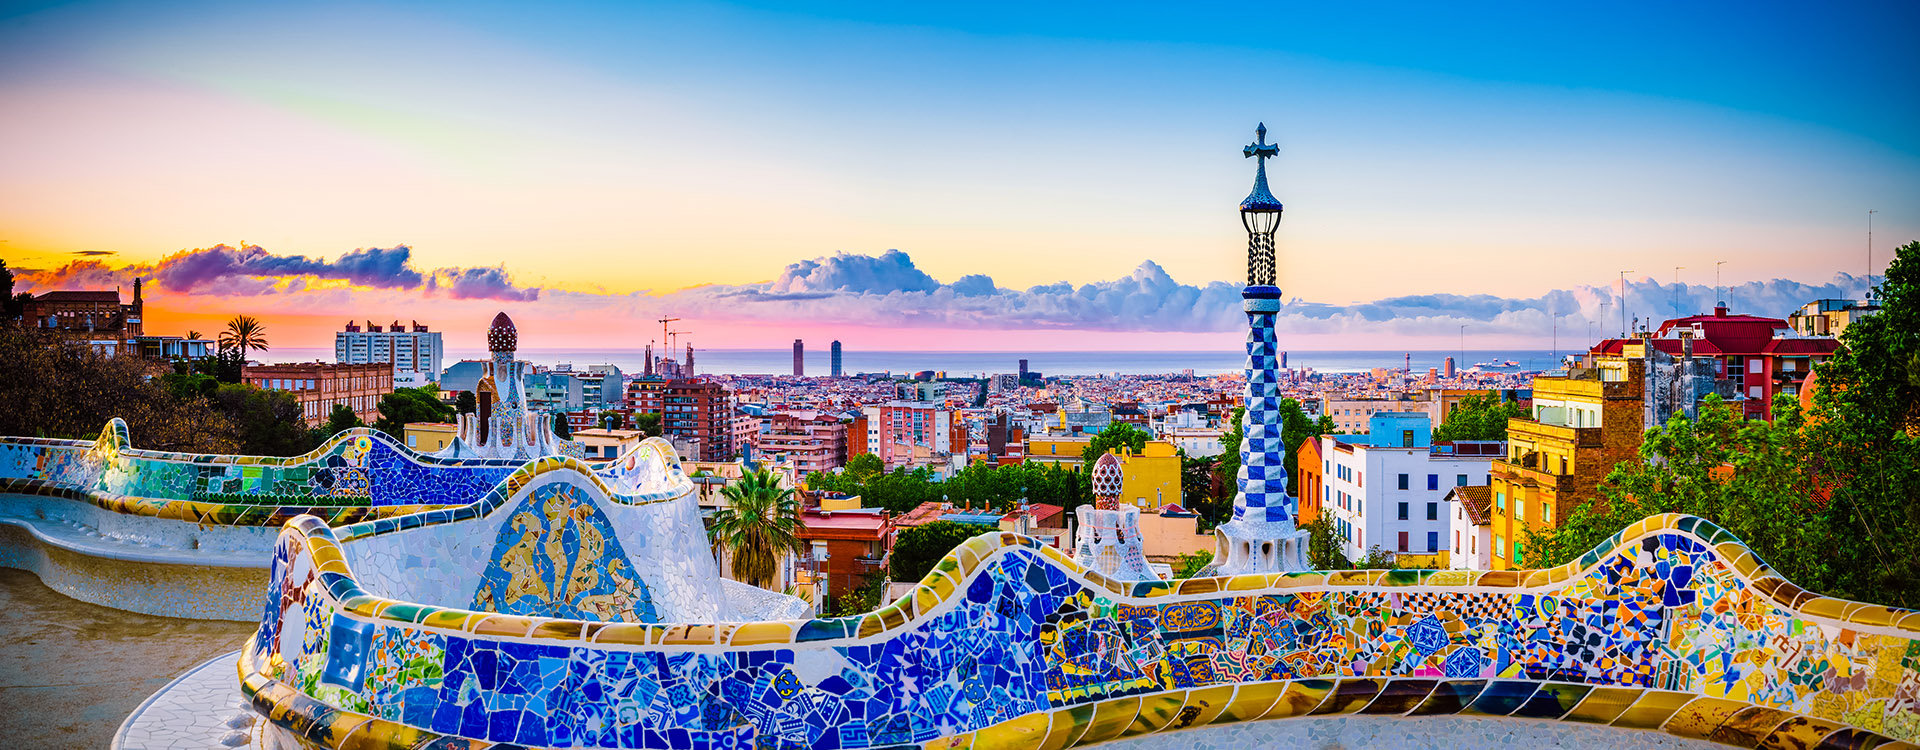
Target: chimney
(1720,311)
(137,282)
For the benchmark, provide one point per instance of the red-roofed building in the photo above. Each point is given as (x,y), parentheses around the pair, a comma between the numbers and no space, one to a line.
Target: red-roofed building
(847,546)
(1760,356)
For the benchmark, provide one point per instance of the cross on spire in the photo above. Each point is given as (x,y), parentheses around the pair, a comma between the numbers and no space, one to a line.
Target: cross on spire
(1260,147)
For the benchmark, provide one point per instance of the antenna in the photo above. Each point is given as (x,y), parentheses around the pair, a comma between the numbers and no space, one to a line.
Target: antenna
(1870,213)
(1623,303)
(1720,300)
(1676,290)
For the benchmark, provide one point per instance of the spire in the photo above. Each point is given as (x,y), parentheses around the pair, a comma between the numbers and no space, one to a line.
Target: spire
(1261,199)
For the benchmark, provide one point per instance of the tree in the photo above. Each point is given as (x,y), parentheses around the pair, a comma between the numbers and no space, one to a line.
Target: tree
(465,403)
(192,335)
(1825,497)
(1190,564)
(863,467)
(864,599)
(270,423)
(407,405)
(342,419)
(1117,435)
(1295,430)
(9,309)
(916,550)
(760,522)
(1323,546)
(1197,483)
(1228,471)
(561,429)
(647,423)
(59,389)
(1479,417)
(244,333)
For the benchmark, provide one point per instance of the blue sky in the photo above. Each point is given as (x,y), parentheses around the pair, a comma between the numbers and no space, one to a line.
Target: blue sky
(620,149)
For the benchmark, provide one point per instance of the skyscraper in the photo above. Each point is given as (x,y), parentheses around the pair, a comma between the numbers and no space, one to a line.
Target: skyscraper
(1449,370)
(836,371)
(1023,371)
(1261,537)
(799,359)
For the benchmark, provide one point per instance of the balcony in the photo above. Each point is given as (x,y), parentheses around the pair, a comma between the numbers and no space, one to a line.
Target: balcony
(1530,431)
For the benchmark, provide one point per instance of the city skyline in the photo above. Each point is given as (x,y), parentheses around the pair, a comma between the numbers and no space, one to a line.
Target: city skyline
(440,163)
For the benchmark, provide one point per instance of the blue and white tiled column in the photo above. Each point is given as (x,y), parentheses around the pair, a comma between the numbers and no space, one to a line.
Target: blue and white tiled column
(1262,481)
(1261,536)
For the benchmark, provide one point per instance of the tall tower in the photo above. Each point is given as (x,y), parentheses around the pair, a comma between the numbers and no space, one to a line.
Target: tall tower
(835,371)
(799,359)
(1261,537)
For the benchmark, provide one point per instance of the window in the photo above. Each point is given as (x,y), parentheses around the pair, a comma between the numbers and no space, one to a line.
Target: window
(413,441)
(1360,479)
(1403,541)
(1433,541)
(1456,541)
(1433,481)
(1500,500)
(1460,480)
(1518,552)
(1403,511)
(1433,511)
(1406,441)
(1403,481)
(1519,511)
(1499,545)
(1546,512)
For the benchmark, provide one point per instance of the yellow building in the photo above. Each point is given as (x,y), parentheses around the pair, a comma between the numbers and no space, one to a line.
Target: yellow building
(1581,425)
(1063,452)
(1151,478)
(428,437)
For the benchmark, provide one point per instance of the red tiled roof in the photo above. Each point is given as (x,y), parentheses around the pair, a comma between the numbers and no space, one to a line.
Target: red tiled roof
(1802,346)
(1476,500)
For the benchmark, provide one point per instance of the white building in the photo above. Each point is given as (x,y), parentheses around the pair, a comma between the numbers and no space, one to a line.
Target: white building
(1388,488)
(1470,528)
(1198,442)
(415,353)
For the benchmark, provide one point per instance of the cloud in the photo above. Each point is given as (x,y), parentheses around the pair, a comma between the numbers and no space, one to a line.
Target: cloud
(480,283)
(94,253)
(251,270)
(888,290)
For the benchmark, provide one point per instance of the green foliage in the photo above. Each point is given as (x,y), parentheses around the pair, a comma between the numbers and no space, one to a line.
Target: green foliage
(269,423)
(1199,493)
(858,601)
(341,419)
(466,403)
(561,429)
(244,333)
(1826,498)
(184,386)
(1295,430)
(648,423)
(54,388)
(1479,417)
(999,488)
(760,522)
(1117,435)
(864,467)
(1190,564)
(1229,468)
(1323,546)
(10,306)
(916,550)
(406,405)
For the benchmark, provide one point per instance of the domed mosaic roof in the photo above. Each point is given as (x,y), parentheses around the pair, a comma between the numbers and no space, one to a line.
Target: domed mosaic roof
(1106,476)
(502,337)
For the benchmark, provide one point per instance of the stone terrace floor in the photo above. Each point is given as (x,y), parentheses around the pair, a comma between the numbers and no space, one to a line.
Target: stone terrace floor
(70,672)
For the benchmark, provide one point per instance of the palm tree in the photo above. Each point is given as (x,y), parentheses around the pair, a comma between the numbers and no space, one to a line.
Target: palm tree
(192,336)
(244,332)
(761,520)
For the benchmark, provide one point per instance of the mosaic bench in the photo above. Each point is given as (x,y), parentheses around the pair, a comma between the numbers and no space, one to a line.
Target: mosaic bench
(191,535)
(1671,626)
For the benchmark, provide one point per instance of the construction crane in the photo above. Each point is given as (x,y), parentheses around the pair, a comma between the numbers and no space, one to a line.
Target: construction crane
(663,330)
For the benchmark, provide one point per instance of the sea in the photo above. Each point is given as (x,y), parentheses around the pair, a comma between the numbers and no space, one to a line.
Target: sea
(977,363)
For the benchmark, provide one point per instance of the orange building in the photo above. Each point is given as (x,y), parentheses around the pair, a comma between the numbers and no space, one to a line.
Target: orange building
(1310,482)
(318,386)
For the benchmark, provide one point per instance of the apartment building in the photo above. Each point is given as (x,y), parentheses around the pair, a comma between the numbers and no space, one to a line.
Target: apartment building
(1386,489)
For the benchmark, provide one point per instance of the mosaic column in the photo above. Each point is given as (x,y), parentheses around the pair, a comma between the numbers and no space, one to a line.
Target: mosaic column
(1261,537)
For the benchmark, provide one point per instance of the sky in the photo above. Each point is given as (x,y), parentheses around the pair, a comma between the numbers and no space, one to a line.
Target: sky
(954,176)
